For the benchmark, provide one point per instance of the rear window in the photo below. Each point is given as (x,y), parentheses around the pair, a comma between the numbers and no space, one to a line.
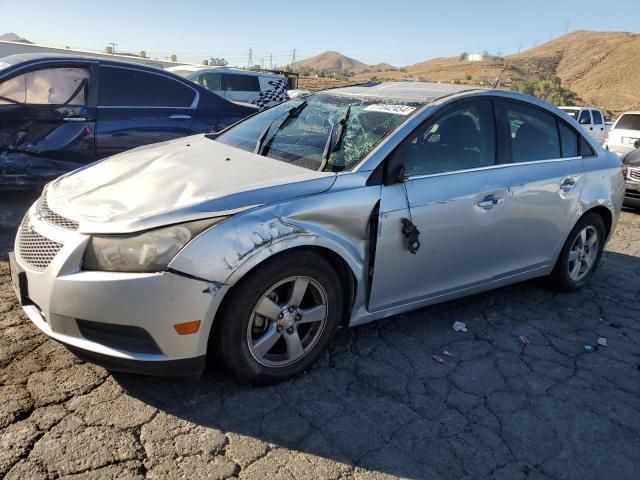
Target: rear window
(629,121)
(573,112)
(240,83)
(120,87)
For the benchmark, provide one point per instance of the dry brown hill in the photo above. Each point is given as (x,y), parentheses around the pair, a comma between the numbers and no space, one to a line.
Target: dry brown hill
(598,66)
(332,62)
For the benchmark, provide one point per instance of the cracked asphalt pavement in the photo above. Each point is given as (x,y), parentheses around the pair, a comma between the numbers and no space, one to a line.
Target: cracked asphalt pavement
(376,406)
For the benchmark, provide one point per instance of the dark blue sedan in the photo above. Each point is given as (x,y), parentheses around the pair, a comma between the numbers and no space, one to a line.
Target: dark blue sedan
(60,112)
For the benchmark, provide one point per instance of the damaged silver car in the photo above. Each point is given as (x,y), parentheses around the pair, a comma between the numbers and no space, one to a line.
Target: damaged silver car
(253,246)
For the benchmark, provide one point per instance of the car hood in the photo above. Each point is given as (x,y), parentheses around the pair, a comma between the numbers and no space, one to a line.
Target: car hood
(176,181)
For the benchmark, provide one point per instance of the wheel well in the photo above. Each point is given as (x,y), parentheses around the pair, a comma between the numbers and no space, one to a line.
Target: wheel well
(606,215)
(345,274)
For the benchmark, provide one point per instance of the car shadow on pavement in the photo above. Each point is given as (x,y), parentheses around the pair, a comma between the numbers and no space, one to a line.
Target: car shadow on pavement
(526,390)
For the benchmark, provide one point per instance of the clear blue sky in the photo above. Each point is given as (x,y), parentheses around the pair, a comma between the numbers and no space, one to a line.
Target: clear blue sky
(399,32)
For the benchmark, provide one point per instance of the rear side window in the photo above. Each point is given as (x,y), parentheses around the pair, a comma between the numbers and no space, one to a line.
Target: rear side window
(629,121)
(120,87)
(569,138)
(210,81)
(49,86)
(585,117)
(534,135)
(597,117)
(240,83)
(460,138)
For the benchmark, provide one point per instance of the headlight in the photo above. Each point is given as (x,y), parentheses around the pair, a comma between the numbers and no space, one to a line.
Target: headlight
(144,252)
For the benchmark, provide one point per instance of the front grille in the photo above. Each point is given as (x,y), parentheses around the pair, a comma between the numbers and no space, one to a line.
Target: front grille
(52,217)
(34,249)
(634,173)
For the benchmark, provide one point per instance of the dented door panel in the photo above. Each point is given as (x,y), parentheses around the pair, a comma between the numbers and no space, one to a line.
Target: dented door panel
(39,143)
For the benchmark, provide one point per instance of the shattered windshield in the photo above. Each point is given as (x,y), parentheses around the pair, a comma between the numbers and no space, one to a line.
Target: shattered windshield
(322,131)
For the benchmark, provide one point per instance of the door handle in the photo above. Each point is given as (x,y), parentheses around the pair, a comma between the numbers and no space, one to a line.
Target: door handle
(180,117)
(74,119)
(489,202)
(567,184)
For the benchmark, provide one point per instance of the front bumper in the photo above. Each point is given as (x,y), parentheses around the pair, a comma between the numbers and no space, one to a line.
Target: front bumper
(632,194)
(63,300)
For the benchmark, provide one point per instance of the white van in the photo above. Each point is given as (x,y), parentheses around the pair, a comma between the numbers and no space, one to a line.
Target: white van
(263,89)
(591,119)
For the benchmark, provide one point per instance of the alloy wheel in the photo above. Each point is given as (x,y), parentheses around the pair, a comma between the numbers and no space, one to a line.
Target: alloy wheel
(287,321)
(583,253)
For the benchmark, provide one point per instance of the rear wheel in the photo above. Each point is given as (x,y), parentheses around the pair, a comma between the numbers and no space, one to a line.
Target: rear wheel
(580,255)
(280,318)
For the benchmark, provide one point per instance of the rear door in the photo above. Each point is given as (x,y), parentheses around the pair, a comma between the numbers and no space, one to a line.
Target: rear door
(47,122)
(598,126)
(138,107)
(547,176)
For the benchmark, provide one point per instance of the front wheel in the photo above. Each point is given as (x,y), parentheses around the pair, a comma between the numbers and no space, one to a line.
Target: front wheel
(280,318)
(580,254)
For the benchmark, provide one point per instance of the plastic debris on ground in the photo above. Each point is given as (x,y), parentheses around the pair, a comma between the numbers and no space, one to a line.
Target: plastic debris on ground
(459,326)
(524,340)
(588,348)
(438,358)
(447,353)
(603,342)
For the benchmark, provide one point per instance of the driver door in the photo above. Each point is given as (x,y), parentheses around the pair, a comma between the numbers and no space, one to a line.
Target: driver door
(455,193)
(46,123)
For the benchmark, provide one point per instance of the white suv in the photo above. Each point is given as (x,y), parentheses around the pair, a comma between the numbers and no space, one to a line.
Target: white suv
(263,89)
(624,133)
(591,119)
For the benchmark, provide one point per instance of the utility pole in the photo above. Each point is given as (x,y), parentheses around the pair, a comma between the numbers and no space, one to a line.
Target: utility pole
(262,63)
(519,47)
(271,61)
(293,60)
(113,47)
(250,63)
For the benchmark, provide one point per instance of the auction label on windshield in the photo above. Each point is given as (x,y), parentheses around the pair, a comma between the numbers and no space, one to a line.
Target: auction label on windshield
(387,108)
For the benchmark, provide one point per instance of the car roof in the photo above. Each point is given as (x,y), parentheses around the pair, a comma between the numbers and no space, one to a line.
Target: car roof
(411,91)
(50,57)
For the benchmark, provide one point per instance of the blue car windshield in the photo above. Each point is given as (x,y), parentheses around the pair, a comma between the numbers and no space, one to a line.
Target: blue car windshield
(321,131)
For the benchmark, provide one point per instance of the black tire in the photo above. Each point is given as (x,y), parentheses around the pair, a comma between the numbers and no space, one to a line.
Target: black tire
(560,277)
(230,329)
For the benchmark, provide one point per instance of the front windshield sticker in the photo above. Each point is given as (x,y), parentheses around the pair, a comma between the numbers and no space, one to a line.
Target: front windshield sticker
(397,109)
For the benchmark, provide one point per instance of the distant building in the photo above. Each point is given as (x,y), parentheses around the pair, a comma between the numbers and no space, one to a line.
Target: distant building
(11,48)
(482,57)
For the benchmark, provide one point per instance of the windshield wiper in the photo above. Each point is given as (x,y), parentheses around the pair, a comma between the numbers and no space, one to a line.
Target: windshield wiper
(292,112)
(328,148)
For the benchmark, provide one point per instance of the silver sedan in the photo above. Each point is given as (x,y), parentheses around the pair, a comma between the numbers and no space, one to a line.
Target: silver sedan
(253,246)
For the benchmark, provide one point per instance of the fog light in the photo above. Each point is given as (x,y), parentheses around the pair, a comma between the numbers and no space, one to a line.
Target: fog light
(187,328)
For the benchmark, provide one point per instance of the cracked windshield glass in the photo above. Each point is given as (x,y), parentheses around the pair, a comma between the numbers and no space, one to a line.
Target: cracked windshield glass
(321,132)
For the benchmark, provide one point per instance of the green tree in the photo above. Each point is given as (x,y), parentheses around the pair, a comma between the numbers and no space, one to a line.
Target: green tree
(464,56)
(549,89)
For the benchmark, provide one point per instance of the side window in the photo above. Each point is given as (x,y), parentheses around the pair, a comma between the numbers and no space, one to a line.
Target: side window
(211,81)
(121,87)
(240,83)
(49,86)
(569,138)
(585,148)
(534,135)
(460,138)
(597,117)
(585,117)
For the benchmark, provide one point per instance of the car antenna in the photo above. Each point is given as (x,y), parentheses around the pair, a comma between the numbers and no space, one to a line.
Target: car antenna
(506,64)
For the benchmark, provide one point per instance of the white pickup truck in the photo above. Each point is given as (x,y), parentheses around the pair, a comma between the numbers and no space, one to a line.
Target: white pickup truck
(591,119)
